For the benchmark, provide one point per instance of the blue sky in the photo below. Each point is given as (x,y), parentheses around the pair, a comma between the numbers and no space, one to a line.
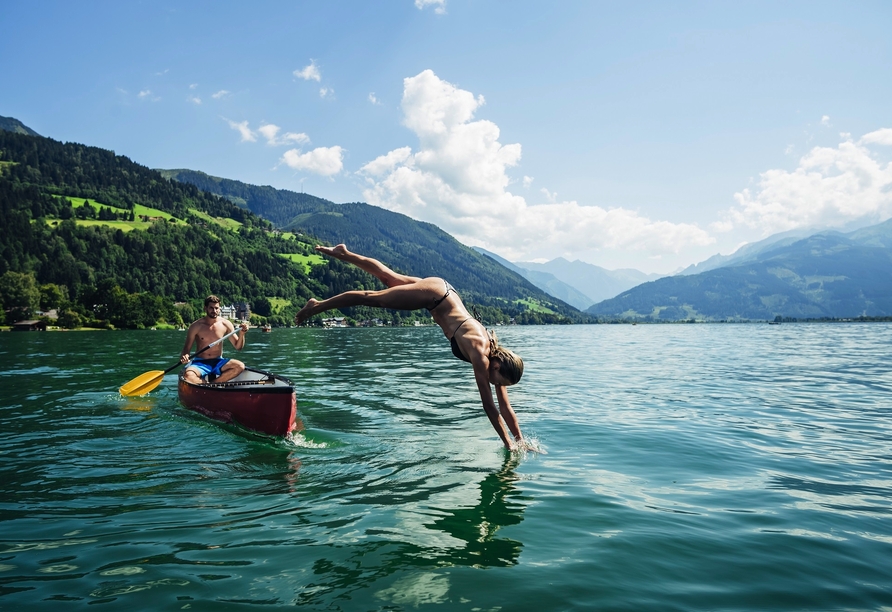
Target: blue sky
(645,135)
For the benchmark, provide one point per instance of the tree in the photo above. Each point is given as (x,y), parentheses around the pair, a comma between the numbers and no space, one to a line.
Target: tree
(19,294)
(52,296)
(263,307)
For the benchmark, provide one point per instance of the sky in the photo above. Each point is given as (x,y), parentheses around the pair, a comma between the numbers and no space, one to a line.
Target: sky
(646,135)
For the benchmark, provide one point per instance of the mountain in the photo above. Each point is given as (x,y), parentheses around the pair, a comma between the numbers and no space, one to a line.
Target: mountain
(276,205)
(826,275)
(545,281)
(592,281)
(9,124)
(748,252)
(100,229)
(413,247)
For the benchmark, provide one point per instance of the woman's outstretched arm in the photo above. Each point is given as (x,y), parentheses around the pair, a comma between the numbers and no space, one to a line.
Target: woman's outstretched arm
(482,377)
(507,412)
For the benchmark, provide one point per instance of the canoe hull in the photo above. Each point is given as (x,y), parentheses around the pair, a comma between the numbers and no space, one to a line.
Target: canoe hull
(256,400)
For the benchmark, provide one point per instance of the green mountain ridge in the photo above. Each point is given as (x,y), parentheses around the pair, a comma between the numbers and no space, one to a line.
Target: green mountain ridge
(10,124)
(70,225)
(414,247)
(827,275)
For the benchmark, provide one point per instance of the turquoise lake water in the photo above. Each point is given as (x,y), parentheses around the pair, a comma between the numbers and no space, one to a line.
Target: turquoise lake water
(688,467)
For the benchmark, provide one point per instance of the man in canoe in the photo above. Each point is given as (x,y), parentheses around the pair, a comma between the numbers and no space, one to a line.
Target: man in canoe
(493,364)
(202,332)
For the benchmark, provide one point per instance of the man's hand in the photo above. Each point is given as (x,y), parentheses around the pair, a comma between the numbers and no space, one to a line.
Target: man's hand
(184,358)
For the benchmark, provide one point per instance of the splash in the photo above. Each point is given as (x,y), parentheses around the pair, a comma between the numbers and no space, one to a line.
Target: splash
(530,445)
(298,440)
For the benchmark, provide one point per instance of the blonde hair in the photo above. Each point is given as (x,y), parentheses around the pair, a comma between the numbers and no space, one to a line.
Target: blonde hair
(510,364)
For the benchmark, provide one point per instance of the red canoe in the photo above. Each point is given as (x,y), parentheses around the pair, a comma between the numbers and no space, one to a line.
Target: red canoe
(254,399)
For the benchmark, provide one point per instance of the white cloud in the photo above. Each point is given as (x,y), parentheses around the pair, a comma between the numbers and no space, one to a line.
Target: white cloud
(830,187)
(243,129)
(326,92)
(326,161)
(527,181)
(146,94)
(373,99)
(825,120)
(193,86)
(458,180)
(387,163)
(271,133)
(194,100)
(880,137)
(309,73)
(439,4)
(220,94)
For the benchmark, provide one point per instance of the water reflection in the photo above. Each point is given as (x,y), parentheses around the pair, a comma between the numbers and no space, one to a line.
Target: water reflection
(476,529)
(501,504)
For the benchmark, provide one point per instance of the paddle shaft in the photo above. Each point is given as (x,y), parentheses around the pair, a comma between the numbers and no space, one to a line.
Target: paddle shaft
(146,382)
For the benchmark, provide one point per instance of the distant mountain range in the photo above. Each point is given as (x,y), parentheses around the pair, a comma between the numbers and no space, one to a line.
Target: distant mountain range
(578,283)
(546,281)
(748,252)
(595,282)
(826,275)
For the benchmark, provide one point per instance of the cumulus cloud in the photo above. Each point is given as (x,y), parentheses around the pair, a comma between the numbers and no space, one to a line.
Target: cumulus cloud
(373,99)
(825,120)
(458,179)
(309,73)
(220,94)
(439,5)
(194,100)
(830,187)
(146,94)
(326,161)
(527,181)
(271,133)
(242,128)
(326,92)
(880,137)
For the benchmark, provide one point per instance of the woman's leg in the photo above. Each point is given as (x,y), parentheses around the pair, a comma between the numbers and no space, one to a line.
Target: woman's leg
(413,296)
(372,266)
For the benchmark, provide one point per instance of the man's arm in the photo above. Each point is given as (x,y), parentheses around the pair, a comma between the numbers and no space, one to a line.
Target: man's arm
(190,340)
(238,341)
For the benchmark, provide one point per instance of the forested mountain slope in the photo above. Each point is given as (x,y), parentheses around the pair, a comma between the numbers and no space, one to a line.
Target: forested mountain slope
(117,238)
(414,247)
(827,275)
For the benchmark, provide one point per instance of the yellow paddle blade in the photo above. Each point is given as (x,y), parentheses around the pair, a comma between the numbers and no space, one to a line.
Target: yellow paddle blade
(142,384)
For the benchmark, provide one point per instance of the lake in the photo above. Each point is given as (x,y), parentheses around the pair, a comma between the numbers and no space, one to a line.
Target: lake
(688,467)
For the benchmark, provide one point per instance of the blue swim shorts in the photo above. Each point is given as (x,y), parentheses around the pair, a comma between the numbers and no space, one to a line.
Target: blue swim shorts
(207,367)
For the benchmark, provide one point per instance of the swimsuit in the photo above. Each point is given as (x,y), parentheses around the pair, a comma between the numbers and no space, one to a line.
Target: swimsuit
(449,289)
(209,367)
(454,343)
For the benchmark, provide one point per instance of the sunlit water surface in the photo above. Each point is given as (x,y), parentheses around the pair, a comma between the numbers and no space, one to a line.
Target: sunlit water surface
(688,467)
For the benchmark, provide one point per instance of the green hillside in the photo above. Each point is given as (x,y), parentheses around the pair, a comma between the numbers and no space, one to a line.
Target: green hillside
(110,242)
(828,275)
(414,247)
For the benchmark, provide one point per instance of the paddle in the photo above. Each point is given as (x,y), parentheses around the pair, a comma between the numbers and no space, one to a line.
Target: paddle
(144,383)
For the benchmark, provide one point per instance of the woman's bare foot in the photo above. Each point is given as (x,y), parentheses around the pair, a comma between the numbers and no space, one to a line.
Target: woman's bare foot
(307,311)
(339,252)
